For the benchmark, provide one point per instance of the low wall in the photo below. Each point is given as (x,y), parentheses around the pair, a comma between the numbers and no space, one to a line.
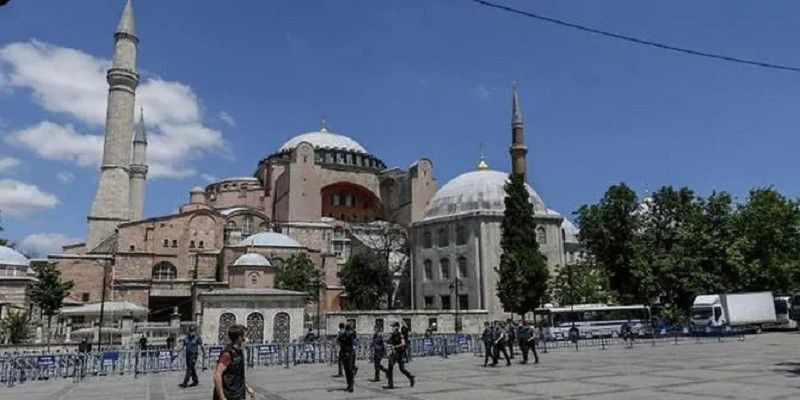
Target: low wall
(471,320)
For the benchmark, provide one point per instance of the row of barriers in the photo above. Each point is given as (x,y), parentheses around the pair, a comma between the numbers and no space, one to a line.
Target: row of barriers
(19,368)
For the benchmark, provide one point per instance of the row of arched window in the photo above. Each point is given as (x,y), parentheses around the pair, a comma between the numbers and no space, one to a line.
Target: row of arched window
(443,237)
(281,327)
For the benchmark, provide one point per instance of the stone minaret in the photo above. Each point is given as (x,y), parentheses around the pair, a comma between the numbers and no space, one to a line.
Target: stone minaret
(517,149)
(138,169)
(110,206)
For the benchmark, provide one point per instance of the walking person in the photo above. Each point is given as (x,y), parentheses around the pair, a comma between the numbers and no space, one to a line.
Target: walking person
(229,381)
(347,354)
(405,330)
(192,344)
(338,350)
(397,346)
(488,339)
(378,352)
(626,331)
(499,343)
(511,336)
(527,341)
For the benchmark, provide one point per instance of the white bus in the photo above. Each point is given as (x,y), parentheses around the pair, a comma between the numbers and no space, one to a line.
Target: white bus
(592,320)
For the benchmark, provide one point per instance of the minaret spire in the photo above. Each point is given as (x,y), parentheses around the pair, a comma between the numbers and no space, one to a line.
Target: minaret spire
(138,169)
(518,149)
(111,205)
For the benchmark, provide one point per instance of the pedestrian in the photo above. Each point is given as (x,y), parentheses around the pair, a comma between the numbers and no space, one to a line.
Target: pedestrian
(229,381)
(488,338)
(527,341)
(405,330)
(309,342)
(626,331)
(397,346)
(511,336)
(171,341)
(193,344)
(499,343)
(84,346)
(143,343)
(378,352)
(338,350)
(347,354)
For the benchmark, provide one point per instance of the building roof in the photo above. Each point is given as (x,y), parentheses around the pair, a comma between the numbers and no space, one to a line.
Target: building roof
(269,239)
(252,260)
(324,139)
(481,190)
(570,231)
(253,292)
(116,307)
(11,257)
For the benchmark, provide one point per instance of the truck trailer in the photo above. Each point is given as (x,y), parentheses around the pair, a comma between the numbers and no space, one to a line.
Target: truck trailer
(746,311)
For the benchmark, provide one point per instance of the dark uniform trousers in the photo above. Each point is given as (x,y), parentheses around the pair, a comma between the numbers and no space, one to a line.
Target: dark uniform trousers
(489,353)
(525,346)
(500,347)
(397,358)
(376,359)
(347,360)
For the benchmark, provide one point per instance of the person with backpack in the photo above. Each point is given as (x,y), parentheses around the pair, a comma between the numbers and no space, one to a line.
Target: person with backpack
(229,380)
(192,344)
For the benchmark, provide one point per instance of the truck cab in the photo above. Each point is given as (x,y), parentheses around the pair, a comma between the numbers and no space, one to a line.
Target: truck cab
(707,310)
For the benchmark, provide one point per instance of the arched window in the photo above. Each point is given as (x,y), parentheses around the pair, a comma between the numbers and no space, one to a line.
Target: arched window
(541,235)
(226,321)
(461,235)
(442,237)
(281,332)
(248,225)
(255,328)
(263,226)
(164,271)
(463,271)
(427,242)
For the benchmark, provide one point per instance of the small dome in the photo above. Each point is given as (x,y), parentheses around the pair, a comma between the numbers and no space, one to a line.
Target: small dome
(252,260)
(570,231)
(269,239)
(482,190)
(11,257)
(323,139)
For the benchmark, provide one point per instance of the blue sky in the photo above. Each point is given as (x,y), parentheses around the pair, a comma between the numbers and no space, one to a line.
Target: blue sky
(407,79)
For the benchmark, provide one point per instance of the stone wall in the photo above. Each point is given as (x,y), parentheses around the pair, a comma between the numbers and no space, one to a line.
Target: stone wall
(471,320)
(214,307)
(86,271)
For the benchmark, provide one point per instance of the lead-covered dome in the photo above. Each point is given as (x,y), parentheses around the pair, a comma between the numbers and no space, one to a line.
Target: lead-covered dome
(11,257)
(481,190)
(269,239)
(324,139)
(252,260)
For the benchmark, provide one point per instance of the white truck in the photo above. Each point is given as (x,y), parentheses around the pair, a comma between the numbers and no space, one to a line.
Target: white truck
(748,311)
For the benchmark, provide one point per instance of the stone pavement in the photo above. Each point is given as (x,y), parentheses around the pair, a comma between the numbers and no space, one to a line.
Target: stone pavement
(762,367)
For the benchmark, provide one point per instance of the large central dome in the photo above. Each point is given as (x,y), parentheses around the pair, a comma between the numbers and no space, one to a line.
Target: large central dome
(481,190)
(324,139)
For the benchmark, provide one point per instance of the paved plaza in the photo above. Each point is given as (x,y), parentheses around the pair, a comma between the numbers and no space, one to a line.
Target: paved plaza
(761,367)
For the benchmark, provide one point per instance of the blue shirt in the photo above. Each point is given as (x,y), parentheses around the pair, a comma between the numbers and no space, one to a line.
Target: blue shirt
(192,343)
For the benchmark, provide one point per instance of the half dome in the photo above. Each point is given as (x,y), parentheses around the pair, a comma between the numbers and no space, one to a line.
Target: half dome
(269,239)
(481,190)
(252,260)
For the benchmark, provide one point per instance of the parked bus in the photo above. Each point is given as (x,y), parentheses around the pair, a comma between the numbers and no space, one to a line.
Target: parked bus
(591,320)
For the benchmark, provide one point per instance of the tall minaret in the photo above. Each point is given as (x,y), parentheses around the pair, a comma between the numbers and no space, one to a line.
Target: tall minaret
(138,169)
(517,149)
(110,206)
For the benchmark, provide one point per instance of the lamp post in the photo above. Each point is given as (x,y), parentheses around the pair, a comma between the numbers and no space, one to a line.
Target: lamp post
(454,287)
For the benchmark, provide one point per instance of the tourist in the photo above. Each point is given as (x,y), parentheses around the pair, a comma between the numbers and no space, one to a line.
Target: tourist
(192,343)
(229,381)
(398,347)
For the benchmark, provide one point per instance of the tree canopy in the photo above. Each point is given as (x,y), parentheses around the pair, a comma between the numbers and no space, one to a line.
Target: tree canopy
(366,280)
(522,273)
(299,274)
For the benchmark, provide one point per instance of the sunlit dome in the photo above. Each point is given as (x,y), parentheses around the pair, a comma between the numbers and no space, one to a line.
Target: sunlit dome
(324,139)
(252,260)
(11,257)
(481,190)
(269,239)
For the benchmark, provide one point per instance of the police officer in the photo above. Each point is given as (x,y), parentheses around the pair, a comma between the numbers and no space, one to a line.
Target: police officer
(398,346)
(499,341)
(527,341)
(488,338)
(339,361)
(347,355)
(378,352)
(511,336)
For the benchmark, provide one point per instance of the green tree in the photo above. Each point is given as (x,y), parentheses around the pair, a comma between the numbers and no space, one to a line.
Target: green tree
(580,283)
(522,273)
(299,274)
(48,292)
(366,281)
(608,230)
(15,328)
(707,237)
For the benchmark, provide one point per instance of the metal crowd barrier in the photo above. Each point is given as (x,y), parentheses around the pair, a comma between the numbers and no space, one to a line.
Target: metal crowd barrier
(20,368)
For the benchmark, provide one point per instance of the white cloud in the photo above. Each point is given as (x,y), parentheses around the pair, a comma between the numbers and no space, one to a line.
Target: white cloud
(65,176)
(227,118)
(483,92)
(71,82)
(42,244)
(20,199)
(8,163)
(209,178)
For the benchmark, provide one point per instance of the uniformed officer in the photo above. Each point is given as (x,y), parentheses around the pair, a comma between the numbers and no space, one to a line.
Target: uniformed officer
(488,338)
(378,352)
(339,361)
(511,336)
(347,354)
(499,342)
(397,347)
(527,341)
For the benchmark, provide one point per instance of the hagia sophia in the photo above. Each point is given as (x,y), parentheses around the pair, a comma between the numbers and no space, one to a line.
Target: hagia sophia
(321,194)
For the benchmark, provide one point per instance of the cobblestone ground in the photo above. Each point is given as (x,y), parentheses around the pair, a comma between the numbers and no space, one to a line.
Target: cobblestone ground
(762,367)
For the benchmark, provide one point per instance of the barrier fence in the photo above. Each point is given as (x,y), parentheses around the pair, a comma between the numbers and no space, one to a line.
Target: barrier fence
(20,368)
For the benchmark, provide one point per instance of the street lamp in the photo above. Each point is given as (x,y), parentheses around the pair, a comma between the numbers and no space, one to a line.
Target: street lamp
(454,287)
